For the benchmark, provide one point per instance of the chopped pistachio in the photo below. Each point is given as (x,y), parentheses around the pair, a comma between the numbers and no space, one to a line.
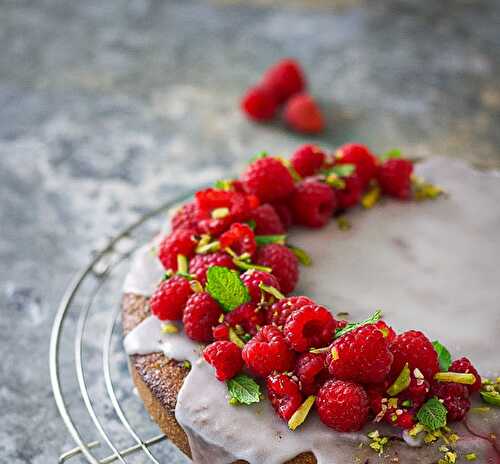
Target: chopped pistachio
(182,264)
(401,383)
(272,291)
(456,377)
(299,416)
(371,198)
(343,223)
(169,328)
(233,336)
(220,213)
(470,457)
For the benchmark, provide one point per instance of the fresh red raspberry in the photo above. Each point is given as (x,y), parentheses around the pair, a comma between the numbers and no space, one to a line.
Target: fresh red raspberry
(259,104)
(269,179)
(285,213)
(362,158)
(200,264)
(361,355)
(240,238)
(351,194)
(220,332)
(414,348)
(179,242)
(170,297)
(284,79)
(464,366)
(253,278)
(248,316)
(394,177)
(267,221)
(455,398)
(225,357)
(284,394)
(201,314)
(307,160)
(311,326)
(313,203)
(186,217)
(283,262)
(303,114)
(343,406)
(278,313)
(406,420)
(386,330)
(268,352)
(238,205)
(417,392)
(311,371)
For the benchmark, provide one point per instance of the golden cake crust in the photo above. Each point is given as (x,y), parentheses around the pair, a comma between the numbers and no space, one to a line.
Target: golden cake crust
(159,379)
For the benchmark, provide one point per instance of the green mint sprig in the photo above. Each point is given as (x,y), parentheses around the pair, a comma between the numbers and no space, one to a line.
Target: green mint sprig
(243,390)
(444,356)
(432,414)
(226,287)
(354,325)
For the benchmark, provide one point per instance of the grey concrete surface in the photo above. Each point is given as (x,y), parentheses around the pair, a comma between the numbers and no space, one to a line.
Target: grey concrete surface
(110,108)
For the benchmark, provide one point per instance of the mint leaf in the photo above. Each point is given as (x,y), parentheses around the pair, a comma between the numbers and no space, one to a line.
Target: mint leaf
(265,239)
(394,153)
(444,356)
(243,389)
(226,287)
(354,325)
(342,170)
(259,155)
(432,414)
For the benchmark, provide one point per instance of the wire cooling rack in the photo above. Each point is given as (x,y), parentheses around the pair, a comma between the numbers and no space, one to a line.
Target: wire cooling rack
(88,367)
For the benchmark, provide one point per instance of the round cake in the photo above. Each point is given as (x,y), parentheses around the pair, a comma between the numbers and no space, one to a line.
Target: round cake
(429,266)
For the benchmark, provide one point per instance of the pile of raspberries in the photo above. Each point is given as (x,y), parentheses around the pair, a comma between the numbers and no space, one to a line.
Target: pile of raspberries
(289,341)
(284,84)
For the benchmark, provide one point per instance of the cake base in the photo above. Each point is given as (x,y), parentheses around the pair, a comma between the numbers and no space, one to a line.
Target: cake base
(158,381)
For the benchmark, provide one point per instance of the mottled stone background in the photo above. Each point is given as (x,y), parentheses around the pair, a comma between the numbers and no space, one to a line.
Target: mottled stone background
(108,108)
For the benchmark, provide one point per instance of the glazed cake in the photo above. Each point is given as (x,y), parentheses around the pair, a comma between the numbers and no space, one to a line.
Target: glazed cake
(429,266)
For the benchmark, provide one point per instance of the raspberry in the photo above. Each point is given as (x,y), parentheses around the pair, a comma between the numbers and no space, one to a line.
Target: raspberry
(351,194)
(464,366)
(455,399)
(269,179)
(311,371)
(278,313)
(267,221)
(417,392)
(252,278)
(268,352)
(303,114)
(362,158)
(361,355)
(238,205)
(248,316)
(284,394)
(259,104)
(170,297)
(414,348)
(343,406)
(240,238)
(308,327)
(394,177)
(200,264)
(186,217)
(405,421)
(225,357)
(284,79)
(283,262)
(201,314)
(387,330)
(285,214)
(313,203)
(179,242)
(307,160)
(220,332)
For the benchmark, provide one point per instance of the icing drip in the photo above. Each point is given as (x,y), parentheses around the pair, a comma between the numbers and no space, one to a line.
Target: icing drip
(431,266)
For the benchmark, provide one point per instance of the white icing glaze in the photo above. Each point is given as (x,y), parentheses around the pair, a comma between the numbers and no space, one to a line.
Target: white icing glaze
(428,265)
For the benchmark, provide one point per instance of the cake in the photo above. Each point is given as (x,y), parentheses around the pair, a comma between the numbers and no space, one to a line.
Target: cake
(429,266)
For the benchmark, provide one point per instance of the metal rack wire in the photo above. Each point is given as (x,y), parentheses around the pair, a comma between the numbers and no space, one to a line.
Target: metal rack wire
(86,348)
